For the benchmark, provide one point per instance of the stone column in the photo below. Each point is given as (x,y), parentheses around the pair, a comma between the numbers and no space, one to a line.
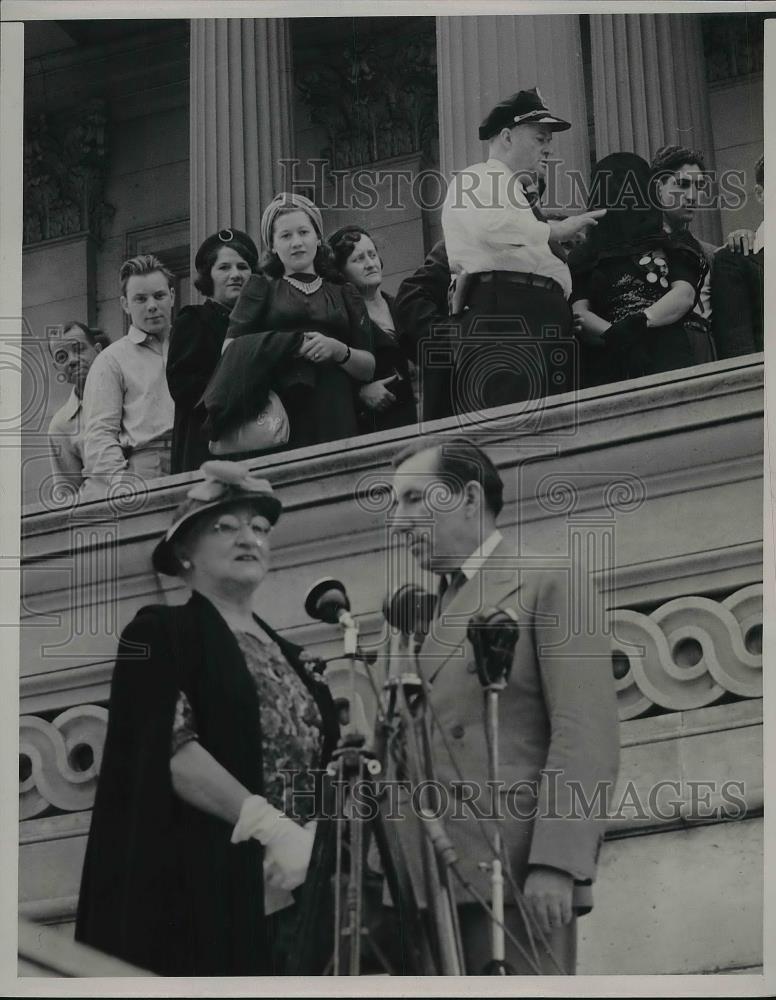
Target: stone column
(241,120)
(649,90)
(482,59)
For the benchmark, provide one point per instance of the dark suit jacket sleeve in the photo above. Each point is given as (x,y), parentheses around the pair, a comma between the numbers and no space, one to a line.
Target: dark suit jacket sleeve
(194,352)
(733,311)
(583,755)
(421,300)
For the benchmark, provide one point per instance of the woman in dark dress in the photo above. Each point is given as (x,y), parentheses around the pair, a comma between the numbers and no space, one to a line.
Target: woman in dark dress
(223,263)
(296,332)
(192,863)
(387,401)
(633,286)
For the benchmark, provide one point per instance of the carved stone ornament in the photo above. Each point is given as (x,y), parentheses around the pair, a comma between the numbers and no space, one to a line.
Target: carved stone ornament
(688,653)
(376,99)
(59,761)
(65,167)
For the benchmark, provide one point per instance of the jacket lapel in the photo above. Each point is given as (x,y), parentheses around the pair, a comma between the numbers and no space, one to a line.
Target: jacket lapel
(446,641)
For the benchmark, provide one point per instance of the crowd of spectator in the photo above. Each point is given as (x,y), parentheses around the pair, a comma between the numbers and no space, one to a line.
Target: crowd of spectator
(299,345)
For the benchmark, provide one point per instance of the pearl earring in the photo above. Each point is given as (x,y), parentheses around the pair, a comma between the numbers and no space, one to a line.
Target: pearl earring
(186,563)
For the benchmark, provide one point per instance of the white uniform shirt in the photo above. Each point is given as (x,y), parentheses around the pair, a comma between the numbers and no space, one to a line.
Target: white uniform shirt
(489,226)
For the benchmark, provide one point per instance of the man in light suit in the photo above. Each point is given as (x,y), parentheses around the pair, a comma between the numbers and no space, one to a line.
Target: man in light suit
(558,728)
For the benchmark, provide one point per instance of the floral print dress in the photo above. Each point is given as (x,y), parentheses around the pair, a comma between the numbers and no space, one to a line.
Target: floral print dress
(291,726)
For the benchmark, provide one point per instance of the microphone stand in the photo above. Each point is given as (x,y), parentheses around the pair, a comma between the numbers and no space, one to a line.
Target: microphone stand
(355,764)
(410,611)
(493,636)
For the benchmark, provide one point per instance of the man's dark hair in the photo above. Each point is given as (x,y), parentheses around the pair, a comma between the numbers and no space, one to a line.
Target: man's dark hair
(759,172)
(95,337)
(670,158)
(459,461)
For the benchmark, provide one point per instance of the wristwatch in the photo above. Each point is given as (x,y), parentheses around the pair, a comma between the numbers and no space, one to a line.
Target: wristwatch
(345,360)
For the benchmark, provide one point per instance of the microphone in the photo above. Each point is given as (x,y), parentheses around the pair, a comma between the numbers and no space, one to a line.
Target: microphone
(493,635)
(351,686)
(410,609)
(327,601)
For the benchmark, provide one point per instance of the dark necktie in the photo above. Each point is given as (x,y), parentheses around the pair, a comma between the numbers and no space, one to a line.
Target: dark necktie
(555,246)
(449,585)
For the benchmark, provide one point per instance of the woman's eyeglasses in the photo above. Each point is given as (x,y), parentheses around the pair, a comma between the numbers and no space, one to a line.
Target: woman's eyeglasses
(231,527)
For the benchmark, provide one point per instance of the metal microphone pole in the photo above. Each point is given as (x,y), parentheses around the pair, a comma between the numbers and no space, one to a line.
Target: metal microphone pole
(493,636)
(356,764)
(410,610)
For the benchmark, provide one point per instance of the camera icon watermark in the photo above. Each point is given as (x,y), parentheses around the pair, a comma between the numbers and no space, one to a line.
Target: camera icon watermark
(497,373)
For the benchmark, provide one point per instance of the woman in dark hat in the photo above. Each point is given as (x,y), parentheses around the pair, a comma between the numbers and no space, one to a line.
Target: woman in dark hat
(632,285)
(388,400)
(191,861)
(223,263)
(294,331)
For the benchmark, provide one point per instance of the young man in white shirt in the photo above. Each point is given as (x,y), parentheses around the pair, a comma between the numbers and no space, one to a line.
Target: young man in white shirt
(72,355)
(128,408)
(510,339)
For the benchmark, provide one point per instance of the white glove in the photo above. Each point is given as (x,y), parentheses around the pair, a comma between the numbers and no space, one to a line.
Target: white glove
(287,846)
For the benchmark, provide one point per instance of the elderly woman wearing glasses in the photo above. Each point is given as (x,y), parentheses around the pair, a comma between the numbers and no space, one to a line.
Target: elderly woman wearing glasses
(215,723)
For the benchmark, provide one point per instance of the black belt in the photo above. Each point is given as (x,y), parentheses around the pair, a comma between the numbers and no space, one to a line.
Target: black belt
(697,323)
(517,278)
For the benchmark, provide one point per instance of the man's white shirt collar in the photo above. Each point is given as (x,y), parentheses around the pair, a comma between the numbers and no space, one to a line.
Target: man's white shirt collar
(136,336)
(481,554)
(139,337)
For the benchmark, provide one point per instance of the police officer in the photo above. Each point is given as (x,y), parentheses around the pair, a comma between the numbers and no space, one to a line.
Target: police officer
(510,337)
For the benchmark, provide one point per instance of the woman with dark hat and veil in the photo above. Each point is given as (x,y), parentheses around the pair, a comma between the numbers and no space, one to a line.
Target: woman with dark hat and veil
(215,722)
(223,263)
(632,285)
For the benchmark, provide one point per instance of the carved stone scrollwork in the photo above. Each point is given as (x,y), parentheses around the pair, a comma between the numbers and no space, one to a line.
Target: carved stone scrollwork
(59,761)
(65,166)
(376,99)
(688,653)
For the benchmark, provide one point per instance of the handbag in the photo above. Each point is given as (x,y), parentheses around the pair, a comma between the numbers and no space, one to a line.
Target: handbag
(270,429)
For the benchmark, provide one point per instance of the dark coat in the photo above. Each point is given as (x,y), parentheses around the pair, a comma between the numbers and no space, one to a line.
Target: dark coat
(737,316)
(162,885)
(195,346)
(421,305)
(391,356)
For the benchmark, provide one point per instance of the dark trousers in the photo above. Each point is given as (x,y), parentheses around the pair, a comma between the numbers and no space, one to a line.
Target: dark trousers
(512,344)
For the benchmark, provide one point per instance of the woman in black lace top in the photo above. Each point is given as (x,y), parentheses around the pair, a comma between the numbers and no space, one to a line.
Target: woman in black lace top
(633,286)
